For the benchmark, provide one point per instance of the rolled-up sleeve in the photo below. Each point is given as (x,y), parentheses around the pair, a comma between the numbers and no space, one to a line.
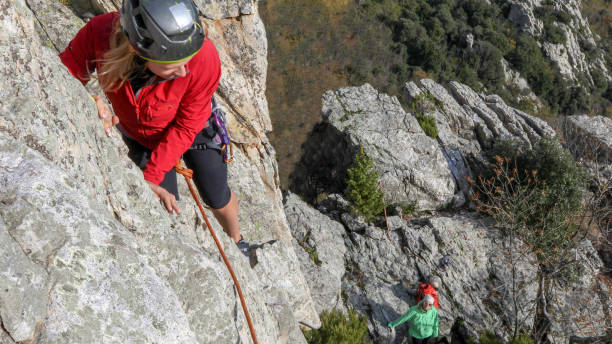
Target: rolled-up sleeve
(79,56)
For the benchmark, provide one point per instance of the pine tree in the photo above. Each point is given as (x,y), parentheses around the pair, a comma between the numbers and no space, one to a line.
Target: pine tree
(362,187)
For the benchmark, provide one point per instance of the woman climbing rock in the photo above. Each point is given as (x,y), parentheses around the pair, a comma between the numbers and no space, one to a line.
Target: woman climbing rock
(423,321)
(159,71)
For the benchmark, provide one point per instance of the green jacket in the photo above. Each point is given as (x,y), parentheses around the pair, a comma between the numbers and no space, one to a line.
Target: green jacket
(423,323)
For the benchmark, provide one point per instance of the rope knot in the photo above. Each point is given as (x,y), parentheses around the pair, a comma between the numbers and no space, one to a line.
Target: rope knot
(188,173)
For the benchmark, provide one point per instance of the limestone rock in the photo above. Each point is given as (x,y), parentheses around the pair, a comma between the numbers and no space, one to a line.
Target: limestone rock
(22,281)
(411,166)
(182,292)
(569,57)
(221,9)
(242,47)
(593,135)
(323,238)
(582,308)
(468,123)
(275,271)
(521,13)
(383,268)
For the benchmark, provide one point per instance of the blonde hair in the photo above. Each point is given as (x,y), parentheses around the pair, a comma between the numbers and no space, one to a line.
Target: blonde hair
(118,62)
(121,59)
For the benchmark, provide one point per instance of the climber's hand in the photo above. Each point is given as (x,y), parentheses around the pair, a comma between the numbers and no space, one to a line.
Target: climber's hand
(108,120)
(167,198)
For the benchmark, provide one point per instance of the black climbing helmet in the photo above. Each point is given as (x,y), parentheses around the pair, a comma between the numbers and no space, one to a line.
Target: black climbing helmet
(162,31)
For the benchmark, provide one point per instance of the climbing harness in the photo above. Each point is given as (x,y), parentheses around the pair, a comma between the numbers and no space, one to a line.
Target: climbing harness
(188,174)
(219,139)
(222,137)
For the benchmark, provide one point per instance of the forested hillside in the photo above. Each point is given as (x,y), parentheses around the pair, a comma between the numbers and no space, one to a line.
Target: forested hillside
(315,45)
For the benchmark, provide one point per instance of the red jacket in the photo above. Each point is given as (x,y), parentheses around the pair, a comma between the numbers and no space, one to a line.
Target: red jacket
(166,116)
(427,289)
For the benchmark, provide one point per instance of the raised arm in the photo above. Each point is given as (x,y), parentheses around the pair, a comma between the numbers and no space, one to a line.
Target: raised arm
(407,316)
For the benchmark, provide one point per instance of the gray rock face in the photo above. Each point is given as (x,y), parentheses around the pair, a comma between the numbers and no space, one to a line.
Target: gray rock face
(103,260)
(319,243)
(412,168)
(221,9)
(590,140)
(384,267)
(521,13)
(23,282)
(583,308)
(569,57)
(468,123)
(480,290)
(80,264)
(464,253)
(592,134)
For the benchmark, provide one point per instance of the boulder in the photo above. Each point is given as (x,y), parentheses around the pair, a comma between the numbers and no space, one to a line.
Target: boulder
(411,166)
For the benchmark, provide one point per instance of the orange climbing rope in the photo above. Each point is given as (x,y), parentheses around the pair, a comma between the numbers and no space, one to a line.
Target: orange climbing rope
(188,174)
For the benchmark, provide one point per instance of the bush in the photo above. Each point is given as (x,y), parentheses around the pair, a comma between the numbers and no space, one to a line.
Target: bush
(534,194)
(337,329)
(555,34)
(523,338)
(490,338)
(428,123)
(362,188)
(421,104)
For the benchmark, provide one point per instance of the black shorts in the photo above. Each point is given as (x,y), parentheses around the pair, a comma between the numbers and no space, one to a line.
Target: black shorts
(209,171)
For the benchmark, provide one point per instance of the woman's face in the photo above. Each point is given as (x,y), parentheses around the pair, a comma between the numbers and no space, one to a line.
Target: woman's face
(426,306)
(168,70)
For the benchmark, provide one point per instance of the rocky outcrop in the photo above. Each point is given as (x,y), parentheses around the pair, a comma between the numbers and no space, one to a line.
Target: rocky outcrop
(590,140)
(469,123)
(569,56)
(413,168)
(488,282)
(383,267)
(319,244)
(582,308)
(593,135)
(102,259)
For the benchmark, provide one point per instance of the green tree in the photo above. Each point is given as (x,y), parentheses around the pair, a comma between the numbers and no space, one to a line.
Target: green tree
(362,187)
(336,328)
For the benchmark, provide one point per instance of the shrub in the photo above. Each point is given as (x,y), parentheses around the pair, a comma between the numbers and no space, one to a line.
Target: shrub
(555,34)
(534,194)
(337,329)
(362,187)
(490,338)
(523,338)
(422,103)
(428,123)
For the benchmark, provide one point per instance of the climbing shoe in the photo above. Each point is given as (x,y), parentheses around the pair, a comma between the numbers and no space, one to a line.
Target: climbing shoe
(243,246)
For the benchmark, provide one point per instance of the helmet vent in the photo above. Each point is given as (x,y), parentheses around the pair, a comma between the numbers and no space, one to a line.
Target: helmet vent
(147,42)
(140,21)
